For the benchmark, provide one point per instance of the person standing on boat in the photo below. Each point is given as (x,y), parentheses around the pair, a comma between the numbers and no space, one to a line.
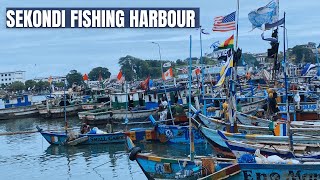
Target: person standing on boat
(297,99)
(85,128)
(164,112)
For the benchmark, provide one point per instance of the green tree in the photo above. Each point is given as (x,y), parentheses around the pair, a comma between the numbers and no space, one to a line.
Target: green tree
(29,84)
(180,62)
(302,54)
(135,68)
(95,73)
(16,86)
(250,59)
(127,68)
(74,77)
(58,84)
(42,85)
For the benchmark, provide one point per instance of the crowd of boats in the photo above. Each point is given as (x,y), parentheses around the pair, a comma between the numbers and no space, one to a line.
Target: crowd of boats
(262,128)
(261,136)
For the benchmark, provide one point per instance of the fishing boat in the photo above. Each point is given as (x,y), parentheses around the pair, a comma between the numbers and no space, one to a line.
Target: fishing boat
(55,108)
(91,136)
(19,107)
(212,168)
(301,152)
(71,138)
(175,133)
(129,106)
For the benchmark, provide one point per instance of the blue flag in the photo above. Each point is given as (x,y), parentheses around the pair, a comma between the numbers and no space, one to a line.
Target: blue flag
(264,15)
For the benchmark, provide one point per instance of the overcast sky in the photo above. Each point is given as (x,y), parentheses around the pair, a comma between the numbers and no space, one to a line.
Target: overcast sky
(45,52)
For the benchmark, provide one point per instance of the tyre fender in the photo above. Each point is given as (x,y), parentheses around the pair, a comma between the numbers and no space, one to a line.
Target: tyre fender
(133,153)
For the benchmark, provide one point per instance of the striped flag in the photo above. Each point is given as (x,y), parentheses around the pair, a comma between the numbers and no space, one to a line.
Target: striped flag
(227,44)
(225,23)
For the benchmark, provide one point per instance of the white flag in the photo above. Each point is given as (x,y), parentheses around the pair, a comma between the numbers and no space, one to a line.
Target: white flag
(168,64)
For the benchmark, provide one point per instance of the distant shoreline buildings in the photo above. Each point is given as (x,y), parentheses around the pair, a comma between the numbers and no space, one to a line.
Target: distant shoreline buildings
(7,78)
(54,79)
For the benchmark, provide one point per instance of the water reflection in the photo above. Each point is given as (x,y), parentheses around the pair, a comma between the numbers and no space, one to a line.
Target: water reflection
(174,150)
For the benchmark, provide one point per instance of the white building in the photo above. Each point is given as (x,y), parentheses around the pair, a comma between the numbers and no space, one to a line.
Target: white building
(261,57)
(93,84)
(55,79)
(7,78)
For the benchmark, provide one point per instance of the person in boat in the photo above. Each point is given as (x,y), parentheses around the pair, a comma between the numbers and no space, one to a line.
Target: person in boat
(85,128)
(273,103)
(164,112)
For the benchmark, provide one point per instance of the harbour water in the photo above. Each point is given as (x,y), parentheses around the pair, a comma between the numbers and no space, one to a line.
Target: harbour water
(29,156)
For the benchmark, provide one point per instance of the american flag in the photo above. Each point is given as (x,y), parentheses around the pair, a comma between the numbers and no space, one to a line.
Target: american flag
(225,23)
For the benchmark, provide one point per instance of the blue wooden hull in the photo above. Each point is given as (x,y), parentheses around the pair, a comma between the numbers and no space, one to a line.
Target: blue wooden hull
(178,134)
(60,138)
(274,171)
(240,148)
(155,167)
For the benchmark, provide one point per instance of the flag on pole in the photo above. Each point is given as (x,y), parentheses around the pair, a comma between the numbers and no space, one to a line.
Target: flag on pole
(206,33)
(145,84)
(85,77)
(196,71)
(119,77)
(167,64)
(215,45)
(50,79)
(265,15)
(225,70)
(225,23)
(168,74)
(228,44)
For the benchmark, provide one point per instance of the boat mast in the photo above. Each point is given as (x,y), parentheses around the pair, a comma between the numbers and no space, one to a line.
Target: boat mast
(64,107)
(164,82)
(232,85)
(126,120)
(286,84)
(189,112)
(202,73)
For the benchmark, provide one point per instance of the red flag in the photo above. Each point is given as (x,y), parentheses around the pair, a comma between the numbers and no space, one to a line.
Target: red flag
(85,77)
(145,84)
(119,75)
(197,71)
(168,74)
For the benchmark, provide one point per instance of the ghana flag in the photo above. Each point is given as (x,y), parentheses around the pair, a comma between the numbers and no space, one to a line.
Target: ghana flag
(227,44)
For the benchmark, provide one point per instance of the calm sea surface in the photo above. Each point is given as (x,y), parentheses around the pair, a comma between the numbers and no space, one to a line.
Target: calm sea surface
(29,156)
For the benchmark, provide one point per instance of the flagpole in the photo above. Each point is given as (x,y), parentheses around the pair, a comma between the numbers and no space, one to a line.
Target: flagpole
(164,82)
(233,88)
(286,83)
(189,103)
(64,108)
(202,73)
(237,26)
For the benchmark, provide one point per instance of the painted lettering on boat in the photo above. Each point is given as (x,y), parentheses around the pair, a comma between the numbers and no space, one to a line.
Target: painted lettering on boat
(290,175)
(303,107)
(181,133)
(107,138)
(159,168)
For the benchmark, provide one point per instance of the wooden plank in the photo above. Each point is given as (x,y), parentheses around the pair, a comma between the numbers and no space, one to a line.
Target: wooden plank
(78,141)
(224,173)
